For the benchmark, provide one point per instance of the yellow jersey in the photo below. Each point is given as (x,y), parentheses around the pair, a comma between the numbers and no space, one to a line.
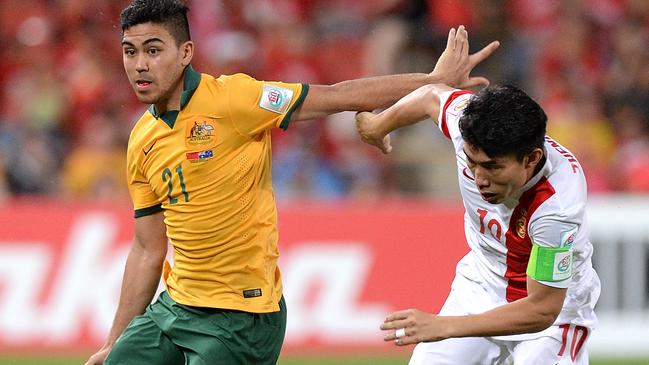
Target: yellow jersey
(208,168)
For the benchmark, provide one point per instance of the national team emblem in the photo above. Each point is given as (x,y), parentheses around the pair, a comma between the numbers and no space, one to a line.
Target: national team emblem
(275,99)
(521,224)
(200,133)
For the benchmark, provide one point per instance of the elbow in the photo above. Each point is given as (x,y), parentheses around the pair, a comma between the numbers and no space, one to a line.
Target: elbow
(545,318)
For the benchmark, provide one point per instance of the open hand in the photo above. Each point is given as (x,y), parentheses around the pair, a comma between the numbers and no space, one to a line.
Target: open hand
(455,64)
(411,326)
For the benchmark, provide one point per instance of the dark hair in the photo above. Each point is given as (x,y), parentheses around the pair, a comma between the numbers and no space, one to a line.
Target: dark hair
(170,13)
(503,120)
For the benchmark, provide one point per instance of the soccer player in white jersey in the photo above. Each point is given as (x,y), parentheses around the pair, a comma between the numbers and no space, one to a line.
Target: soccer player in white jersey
(526,291)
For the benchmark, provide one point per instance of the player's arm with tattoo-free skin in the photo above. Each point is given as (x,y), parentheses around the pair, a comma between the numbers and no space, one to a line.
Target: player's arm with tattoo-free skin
(381,91)
(141,277)
(533,313)
(453,70)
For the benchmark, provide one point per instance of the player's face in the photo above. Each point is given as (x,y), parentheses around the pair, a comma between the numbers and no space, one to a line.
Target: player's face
(153,62)
(496,178)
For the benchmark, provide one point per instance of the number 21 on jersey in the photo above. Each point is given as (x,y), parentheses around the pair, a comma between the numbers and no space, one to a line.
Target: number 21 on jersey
(167,176)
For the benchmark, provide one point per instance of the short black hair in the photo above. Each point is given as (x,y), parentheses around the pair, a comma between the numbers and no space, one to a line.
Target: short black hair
(170,13)
(503,120)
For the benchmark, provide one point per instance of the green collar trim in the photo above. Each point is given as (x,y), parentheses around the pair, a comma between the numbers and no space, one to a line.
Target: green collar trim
(191,79)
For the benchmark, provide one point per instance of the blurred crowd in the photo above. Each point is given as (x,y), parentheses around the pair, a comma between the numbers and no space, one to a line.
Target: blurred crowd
(66,108)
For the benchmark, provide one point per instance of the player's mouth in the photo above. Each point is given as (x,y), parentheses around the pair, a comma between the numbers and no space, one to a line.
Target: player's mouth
(489,197)
(142,84)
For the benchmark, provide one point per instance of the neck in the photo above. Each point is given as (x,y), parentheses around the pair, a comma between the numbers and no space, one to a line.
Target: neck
(171,101)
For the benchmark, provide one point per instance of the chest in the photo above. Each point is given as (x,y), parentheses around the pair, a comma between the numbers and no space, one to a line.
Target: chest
(198,154)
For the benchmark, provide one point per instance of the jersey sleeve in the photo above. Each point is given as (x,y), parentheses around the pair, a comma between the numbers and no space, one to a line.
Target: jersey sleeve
(452,103)
(256,106)
(145,201)
(556,237)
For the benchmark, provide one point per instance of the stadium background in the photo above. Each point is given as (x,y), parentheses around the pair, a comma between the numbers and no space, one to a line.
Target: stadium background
(66,111)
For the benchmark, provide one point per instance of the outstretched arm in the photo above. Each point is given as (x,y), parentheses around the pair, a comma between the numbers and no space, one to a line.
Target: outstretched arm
(371,93)
(141,277)
(533,313)
(420,104)
(454,67)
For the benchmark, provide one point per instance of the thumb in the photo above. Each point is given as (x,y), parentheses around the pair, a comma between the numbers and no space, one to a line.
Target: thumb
(476,81)
(387,147)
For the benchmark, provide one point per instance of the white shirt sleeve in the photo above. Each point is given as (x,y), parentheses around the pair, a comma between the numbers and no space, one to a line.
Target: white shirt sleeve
(452,103)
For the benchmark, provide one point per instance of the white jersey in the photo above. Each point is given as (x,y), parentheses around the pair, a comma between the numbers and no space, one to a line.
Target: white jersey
(548,211)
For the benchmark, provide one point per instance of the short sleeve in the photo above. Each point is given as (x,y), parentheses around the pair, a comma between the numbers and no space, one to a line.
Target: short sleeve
(551,232)
(256,106)
(452,103)
(145,201)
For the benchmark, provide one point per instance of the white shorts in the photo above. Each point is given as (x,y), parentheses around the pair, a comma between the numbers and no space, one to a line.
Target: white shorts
(562,345)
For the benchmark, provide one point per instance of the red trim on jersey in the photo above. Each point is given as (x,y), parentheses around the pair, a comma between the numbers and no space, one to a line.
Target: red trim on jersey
(450,99)
(519,248)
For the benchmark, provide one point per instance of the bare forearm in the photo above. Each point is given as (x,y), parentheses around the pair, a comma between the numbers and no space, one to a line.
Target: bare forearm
(517,317)
(380,92)
(359,95)
(414,107)
(141,278)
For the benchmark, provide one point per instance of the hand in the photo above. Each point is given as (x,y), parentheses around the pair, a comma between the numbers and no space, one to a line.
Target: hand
(455,64)
(365,125)
(419,327)
(99,357)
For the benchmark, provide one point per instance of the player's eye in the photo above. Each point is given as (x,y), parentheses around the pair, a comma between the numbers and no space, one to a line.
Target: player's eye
(129,51)
(154,51)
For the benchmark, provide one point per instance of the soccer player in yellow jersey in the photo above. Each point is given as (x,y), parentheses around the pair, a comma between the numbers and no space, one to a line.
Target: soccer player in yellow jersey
(199,174)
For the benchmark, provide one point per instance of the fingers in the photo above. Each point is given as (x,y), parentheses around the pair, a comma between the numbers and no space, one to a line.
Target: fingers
(462,41)
(450,42)
(364,126)
(386,147)
(474,82)
(482,54)
(403,314)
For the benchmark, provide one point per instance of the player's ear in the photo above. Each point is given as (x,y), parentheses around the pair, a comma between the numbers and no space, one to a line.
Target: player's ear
(533,158)
(187,51)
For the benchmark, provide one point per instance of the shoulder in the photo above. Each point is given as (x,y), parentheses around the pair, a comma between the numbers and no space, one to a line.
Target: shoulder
(566,203)
(233,79)
(141,129)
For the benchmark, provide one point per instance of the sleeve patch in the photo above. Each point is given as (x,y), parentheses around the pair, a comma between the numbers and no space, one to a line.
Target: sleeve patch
(567,238)
(550,263)
(275,99)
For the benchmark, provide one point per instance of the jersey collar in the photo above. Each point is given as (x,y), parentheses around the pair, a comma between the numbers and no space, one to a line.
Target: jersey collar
(191,79)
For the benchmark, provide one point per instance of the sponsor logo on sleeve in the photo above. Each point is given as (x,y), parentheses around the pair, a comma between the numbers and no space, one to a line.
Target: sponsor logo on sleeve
(275,99)
(567,238)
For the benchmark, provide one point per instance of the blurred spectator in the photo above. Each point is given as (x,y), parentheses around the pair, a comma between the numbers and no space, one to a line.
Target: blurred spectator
(66,108)
(96,167)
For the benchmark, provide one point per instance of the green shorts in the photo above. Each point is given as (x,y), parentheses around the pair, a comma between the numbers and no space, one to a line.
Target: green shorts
(169,333)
